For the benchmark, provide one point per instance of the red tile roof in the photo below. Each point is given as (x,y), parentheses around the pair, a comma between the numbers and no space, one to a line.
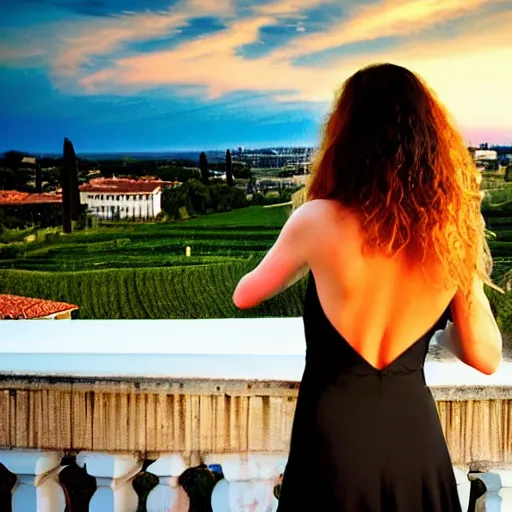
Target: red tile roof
(14,307)
(13,197)
(121,186)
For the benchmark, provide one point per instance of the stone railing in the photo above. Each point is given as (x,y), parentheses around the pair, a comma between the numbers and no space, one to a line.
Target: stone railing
(161,416)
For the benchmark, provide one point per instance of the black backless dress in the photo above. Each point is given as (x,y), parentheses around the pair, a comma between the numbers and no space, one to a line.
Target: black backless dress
(365,440)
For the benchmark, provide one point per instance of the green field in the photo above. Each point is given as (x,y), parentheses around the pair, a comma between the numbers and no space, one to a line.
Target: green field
(130,270)
(227,237)
(179,292)
(139,270)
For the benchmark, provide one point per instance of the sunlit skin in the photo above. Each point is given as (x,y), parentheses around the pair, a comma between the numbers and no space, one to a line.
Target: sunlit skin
(386,269)
(283,265)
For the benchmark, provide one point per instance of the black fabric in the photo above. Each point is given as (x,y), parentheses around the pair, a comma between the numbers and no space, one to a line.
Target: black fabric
(365,440)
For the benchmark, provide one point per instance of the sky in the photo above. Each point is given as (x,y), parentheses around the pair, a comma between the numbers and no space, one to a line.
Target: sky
(273,349)
(168,75)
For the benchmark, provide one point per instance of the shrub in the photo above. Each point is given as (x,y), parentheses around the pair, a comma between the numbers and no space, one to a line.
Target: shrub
(508,173)
(10,251)
(225,198)
(198,198)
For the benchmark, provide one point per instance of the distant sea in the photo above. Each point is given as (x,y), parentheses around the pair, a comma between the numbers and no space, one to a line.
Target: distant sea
(213,156)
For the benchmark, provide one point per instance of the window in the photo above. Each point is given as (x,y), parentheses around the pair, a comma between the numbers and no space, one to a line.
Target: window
(118,197)
(102,197)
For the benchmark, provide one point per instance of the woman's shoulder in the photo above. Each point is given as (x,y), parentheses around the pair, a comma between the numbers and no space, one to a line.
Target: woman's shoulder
(322,210)
(324,221)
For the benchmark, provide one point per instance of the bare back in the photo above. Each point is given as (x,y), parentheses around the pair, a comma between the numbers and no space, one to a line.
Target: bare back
(380,305)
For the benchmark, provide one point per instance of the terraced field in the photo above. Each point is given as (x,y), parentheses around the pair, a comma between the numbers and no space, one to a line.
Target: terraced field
(232,236)
(141,271)
(176,292)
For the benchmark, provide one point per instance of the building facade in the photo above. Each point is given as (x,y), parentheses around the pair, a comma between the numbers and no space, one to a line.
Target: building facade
(122,198)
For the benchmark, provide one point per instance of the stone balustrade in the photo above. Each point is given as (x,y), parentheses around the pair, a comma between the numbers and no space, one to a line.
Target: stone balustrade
(169,416)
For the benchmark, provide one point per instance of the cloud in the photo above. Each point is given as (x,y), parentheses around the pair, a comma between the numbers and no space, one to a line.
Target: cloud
(287,8)
(19,54)
(211,60)
(384,19)
(220,8)
(458,66)
(107,36)
(78,43)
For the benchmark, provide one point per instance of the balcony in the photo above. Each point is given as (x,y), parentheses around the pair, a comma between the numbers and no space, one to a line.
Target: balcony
(161,416)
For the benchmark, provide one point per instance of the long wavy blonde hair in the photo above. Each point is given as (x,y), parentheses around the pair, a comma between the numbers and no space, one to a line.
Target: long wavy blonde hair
(391,152)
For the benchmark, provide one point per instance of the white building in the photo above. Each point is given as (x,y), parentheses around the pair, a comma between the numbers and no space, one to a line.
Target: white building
(122,198)
(485,154)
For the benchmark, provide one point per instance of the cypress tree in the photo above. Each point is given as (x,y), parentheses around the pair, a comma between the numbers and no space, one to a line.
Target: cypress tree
(229,169)
(39,181)
(70,162)
(203,167)
(65,183)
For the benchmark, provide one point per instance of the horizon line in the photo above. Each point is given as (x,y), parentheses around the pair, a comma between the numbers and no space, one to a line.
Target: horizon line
(211,150)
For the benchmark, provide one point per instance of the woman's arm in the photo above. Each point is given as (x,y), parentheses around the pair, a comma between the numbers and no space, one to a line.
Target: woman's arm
(283,265)
(474,336)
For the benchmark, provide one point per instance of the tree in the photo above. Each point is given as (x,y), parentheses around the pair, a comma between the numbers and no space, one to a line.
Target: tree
(39,181)
(13,159)
(69,184)
(241,170)
(229,169)
(203,167)
(193,195)
(70,166)
(508,173)
(65,183)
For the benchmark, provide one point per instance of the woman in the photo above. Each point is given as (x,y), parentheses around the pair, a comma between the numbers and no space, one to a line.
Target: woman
(394,239)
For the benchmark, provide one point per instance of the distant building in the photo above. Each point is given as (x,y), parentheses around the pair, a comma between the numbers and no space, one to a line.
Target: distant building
(44,209)
(14,307)
(485,154)
(28,160)
(16,198)
(123,198)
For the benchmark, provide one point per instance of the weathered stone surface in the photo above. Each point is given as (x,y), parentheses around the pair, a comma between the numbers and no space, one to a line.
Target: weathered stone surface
(193,418)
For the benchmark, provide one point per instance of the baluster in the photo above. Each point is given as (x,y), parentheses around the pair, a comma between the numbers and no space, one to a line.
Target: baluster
(37,487)
(114,475)
(463,486)
(79,487)
(248,484)
(276,491)
(7,482)
(198,482)
(143,484)
(168,496)
(498,497)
